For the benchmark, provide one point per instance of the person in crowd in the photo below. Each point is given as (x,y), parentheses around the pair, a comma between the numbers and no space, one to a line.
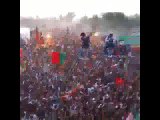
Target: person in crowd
(82,90)
(109,44)
(85,43)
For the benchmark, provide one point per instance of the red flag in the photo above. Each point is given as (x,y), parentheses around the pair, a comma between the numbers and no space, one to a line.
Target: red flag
(64,98)
(74,92)
(21,52)
(55,58)
(136,49)
(39,38)
(119,81)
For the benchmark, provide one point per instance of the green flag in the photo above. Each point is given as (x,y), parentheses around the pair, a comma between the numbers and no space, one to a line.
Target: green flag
(137,116)
(62,58)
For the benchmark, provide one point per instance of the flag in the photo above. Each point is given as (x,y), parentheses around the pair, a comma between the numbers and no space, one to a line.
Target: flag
(64,98)
(137,116)
(62,58)
(21,52)
(41,41)
(119,81)
(58,58)
(135,48)
(55,58)
(74,92)
(39,38)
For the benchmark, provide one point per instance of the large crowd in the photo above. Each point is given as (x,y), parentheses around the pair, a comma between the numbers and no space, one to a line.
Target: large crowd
(79,89)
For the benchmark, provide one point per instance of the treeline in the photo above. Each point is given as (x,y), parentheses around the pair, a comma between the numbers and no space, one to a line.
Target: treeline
(47,22)
(110,21)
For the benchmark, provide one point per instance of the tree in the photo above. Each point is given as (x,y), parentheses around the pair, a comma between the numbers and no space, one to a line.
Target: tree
(61,17)
(133,21)
(114,19)
(94,22)
(69,17)
(107,20)
(84,20)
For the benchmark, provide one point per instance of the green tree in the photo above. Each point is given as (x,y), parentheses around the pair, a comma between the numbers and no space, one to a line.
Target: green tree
(113,19)
(69,17)
(94,22)
(61,17)
(84,20)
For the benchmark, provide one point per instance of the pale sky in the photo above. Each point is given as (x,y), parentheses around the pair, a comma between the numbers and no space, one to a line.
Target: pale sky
(53,8)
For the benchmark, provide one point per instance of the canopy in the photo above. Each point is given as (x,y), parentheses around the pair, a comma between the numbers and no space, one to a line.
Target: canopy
(132,40)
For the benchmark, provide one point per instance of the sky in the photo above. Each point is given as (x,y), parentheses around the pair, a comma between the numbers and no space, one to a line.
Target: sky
(55,8)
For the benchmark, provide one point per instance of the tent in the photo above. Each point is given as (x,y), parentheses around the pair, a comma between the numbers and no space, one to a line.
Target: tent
(131,40)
